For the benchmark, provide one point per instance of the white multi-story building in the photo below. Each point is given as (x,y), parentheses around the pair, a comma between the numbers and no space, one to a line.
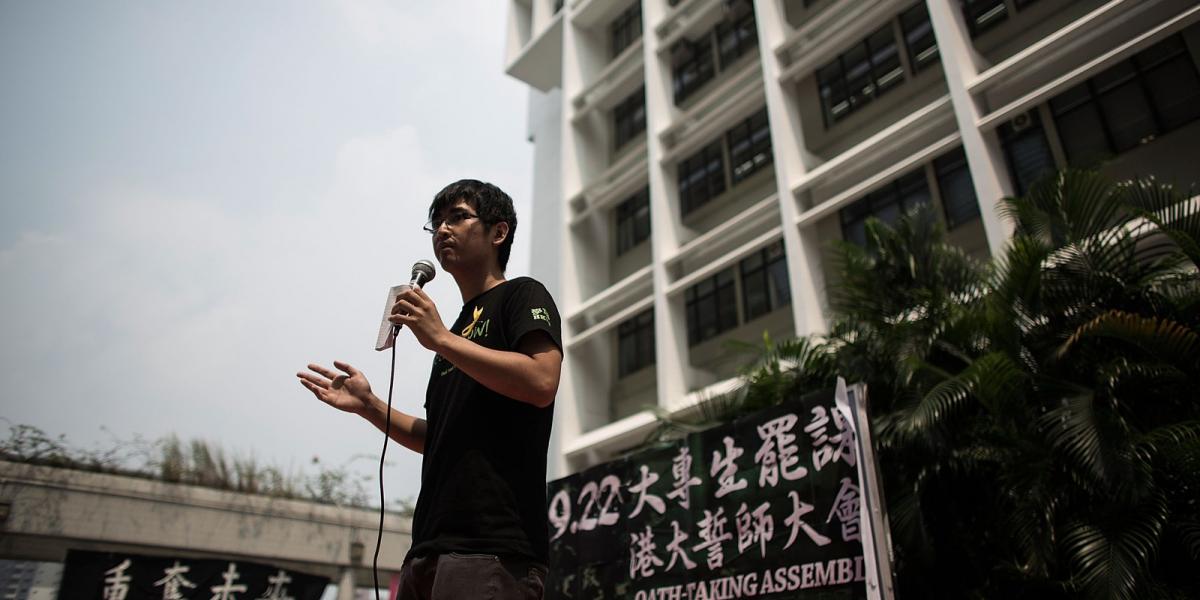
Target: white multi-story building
(695,158)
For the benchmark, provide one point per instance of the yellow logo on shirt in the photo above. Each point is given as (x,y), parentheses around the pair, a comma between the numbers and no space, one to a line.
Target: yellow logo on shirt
(476,328)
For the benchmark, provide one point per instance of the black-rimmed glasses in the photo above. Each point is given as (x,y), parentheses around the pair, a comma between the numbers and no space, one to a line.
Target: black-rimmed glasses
(454,218)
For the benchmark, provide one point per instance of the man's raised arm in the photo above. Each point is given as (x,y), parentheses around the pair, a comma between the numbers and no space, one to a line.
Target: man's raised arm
(529,374)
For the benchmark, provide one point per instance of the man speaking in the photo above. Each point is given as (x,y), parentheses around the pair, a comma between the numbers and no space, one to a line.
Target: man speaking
(479,530)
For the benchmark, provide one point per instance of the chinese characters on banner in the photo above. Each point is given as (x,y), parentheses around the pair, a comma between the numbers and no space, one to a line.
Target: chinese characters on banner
(765,507)
(109,576)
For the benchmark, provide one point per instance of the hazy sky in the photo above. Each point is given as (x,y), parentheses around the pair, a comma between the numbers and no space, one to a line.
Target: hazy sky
(199,198)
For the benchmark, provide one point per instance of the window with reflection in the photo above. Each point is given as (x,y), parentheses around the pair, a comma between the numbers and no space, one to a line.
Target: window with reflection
(625,29)
(711,307)
(635,343)
(862,73)
(764,281)
(738,33)
(749,145)
(956,188)
(633,221)
(886,204)
(918,37)
(1128,104)
(696,62)
(629,118)
(701,177)
(982,15)
(692,67)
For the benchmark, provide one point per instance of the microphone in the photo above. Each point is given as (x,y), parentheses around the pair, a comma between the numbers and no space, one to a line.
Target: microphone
(423,272)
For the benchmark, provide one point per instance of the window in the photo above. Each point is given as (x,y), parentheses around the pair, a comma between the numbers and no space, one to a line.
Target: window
(749,145)
(633,221)
(558,5)
(982,15)
(635,343)
(626,28)
(738,33)
(1128,104)
(693,63)
(958,190)
(701,177)
(711,307)
(629,118)
(1026,150)
(860,74)
(885,204)
(918,37)
(692,67)
(765,281)
(952,178)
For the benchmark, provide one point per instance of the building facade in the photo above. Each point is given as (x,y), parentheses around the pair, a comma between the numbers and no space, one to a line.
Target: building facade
(29,580)
(694,159)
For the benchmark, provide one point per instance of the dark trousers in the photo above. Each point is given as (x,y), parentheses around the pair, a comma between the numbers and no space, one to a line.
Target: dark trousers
(470,577)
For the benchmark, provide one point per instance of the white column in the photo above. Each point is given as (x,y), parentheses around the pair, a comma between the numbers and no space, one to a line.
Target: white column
(792,162)
(545,226)
(670,323)
(345,585)
(573,395)
(985,158)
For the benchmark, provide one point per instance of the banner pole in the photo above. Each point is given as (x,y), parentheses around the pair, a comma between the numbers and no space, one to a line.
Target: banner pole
(876,534)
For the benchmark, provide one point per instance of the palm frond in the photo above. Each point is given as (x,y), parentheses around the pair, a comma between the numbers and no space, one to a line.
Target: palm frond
(1110,556)
(1076,428)
(1174,214)
(1167,438)
(1122,373)
(989,379)
(1162,338)
(1189,533)
(1084,203)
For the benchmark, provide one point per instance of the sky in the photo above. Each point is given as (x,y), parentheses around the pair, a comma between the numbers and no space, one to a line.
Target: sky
(197,199)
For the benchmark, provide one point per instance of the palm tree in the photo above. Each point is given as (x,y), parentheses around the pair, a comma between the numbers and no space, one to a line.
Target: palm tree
(1042,438)
(1038,418)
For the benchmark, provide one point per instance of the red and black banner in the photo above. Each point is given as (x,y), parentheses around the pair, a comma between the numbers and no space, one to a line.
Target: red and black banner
(117,576)
(764,507)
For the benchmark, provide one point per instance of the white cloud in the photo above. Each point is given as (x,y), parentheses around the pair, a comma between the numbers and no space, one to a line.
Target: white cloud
(425,25)
(196,319)
(151,311)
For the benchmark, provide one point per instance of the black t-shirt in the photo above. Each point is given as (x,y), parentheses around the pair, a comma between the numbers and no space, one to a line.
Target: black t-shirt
(483,474)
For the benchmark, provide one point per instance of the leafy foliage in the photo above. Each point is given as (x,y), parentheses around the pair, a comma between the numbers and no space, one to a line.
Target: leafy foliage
(196,462)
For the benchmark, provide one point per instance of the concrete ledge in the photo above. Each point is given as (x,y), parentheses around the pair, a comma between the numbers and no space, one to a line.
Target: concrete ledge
(50,510)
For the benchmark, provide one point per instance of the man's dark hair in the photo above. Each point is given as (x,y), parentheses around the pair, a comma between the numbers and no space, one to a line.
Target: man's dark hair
(490,203)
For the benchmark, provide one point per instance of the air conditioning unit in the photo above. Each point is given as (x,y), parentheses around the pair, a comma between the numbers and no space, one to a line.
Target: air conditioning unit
(1023,121)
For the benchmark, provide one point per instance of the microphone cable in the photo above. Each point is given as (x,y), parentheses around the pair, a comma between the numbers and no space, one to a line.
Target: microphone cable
(387,428)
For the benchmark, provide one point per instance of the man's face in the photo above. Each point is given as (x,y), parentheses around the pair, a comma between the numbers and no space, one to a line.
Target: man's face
(461,239)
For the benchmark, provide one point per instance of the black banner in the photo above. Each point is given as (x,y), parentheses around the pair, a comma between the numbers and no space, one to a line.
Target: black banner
(113,576)
(764,507)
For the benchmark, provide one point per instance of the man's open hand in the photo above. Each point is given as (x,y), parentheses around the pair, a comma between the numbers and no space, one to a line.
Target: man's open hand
(349,390)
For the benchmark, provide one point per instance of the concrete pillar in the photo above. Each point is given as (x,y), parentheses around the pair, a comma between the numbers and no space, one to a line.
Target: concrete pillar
(985,157)
(346,584)
(675,373)
(792,161)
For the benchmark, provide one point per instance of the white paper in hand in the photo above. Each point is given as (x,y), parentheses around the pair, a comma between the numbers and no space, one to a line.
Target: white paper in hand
(386,336)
